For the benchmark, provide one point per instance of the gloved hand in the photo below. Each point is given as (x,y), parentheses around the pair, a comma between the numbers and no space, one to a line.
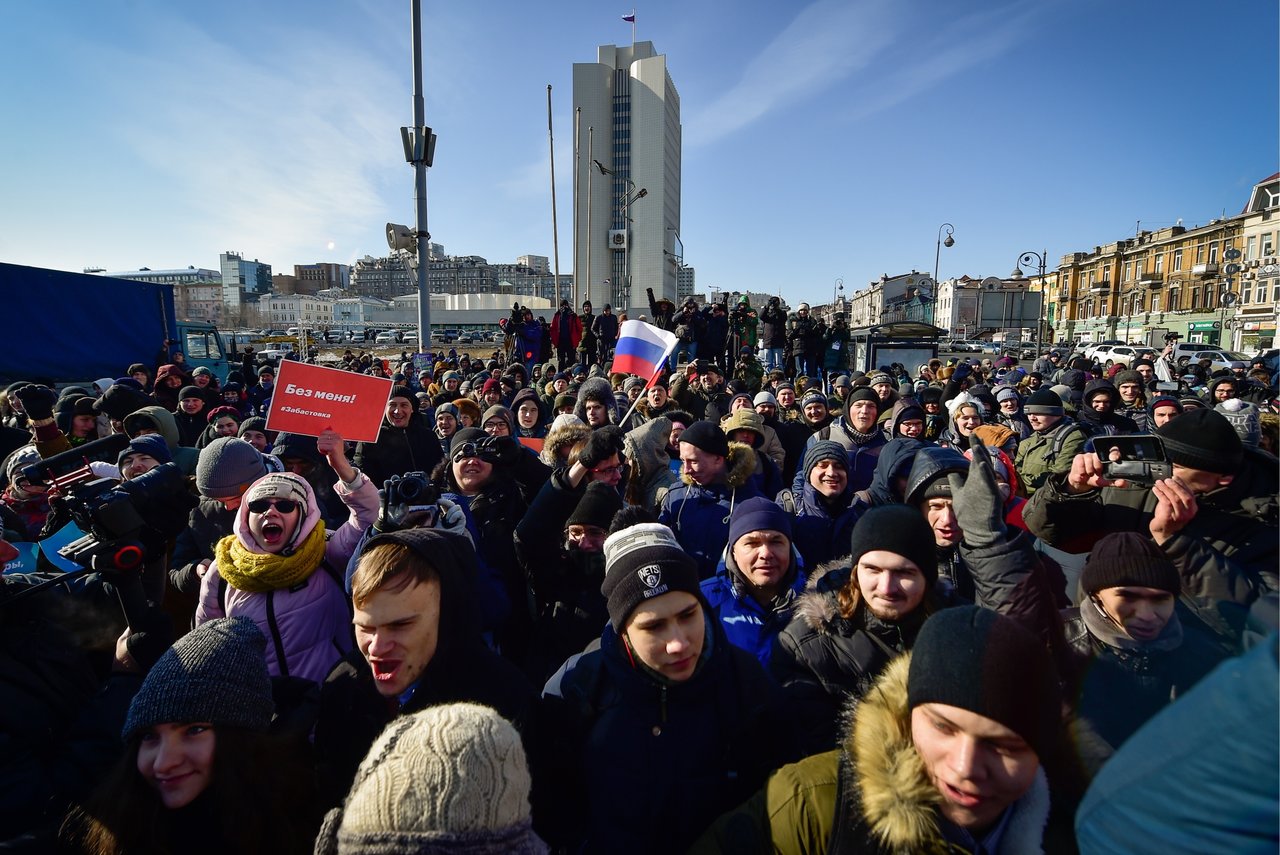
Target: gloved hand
(452,518)
(977,502)
(37,401)
(602,444)
(501,449)
(963,370)
(397,501)
(149,639)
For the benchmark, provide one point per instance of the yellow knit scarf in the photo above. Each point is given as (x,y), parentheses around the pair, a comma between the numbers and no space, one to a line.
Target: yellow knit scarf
(255,573)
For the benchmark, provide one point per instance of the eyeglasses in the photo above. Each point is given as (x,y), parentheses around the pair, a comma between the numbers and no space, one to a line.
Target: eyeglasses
(606,471)
(261,506)
(580,532)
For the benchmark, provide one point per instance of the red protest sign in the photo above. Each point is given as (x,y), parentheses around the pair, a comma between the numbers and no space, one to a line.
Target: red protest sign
(310,398)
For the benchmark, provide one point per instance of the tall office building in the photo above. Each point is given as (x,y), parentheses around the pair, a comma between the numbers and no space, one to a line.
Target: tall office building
(626,242)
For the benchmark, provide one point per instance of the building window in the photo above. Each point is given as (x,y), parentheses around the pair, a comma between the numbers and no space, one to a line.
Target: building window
(1128,270)
(1213,252)
(1195,299)
(1155,302)
(1246,295)
(1209,302)
(1200,254)
(1177,259)
(1267,246)
(1250,245)
(1159,262)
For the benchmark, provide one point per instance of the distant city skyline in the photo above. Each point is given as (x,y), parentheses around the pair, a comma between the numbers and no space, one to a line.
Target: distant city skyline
(822,141)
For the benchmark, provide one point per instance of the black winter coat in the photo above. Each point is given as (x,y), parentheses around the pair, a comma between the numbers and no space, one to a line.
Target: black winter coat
(773,326)
(414,448)
(644,766)
(208,523)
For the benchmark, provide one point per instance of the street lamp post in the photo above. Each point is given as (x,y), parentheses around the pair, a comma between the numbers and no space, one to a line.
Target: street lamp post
(937,250)
(624,202)
(837,288)
(1038,258)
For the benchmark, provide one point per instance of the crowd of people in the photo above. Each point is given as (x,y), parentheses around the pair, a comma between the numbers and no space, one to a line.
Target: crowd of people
(755,603)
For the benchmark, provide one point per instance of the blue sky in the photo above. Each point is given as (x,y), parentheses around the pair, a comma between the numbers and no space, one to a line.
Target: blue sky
(822,140)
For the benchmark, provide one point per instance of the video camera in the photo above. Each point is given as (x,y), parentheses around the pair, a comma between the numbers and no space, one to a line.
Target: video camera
(410,500)
(1140,460)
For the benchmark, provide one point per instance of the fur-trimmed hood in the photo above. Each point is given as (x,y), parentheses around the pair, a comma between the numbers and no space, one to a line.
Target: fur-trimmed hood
(741,465)
(818,606)
(560,437)
(894,795)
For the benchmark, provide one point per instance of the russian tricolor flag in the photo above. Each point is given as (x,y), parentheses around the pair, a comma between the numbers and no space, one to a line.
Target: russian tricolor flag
(642,349)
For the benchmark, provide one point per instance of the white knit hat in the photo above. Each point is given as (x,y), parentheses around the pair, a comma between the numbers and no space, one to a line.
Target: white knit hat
(449,775)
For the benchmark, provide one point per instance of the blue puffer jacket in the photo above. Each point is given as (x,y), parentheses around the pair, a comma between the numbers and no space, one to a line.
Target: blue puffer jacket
(747,624)
(699,515)
(862,458)
(640,764)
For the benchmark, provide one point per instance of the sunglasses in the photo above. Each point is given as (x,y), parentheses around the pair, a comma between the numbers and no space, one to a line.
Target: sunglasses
(261,506)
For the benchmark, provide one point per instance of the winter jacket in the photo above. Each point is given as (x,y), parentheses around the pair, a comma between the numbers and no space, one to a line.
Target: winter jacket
(1227,553)
(559,440)
(645,450)
(661,312)
(308,626)
(1048,452)
(412,448)
(698,402)
(186,458)
(746,623)
(566,330)
(699,516)
(1119,684)
(606,329)
(873,796)
(773,326)
(714,335)
(640,764)
(209,522)
(823,527)
(492,515)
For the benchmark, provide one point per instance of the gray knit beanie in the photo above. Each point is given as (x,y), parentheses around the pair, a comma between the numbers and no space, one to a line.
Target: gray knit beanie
(215,673)
(450,778)
(227,466)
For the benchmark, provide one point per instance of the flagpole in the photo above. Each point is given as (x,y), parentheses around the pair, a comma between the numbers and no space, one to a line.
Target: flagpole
(633,27)
(555,231)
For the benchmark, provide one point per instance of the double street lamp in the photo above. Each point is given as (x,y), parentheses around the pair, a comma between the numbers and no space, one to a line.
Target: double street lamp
(1038,259)
(625,201)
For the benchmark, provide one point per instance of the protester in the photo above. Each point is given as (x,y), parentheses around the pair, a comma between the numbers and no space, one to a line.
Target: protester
(406,442)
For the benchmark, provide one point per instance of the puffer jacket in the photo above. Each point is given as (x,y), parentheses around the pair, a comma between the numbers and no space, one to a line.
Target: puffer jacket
(862,458)
(822,528)
(699,515)
(309,625)
(746,623)
(893,462)
(645,449)
(1036,459)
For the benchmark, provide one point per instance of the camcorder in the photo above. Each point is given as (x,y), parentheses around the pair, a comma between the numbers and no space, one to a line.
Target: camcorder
(117,517)
(1140,460)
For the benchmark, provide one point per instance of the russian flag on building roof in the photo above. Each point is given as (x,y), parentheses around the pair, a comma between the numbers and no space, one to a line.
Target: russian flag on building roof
(642,348)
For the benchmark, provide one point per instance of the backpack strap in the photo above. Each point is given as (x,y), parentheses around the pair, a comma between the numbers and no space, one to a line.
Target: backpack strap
(1059,440)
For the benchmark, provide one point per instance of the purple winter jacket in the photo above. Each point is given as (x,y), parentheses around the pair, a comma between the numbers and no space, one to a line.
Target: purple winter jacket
(314,620)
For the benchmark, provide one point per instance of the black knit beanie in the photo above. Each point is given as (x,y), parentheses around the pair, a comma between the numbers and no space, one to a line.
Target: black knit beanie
(597,506)
(1043,402)
(1202,439)
(863,393)
(401,392)
(1127,558)
(643,562)
(215,673)
(989,664)
(897,529)
(825,449)
(708,437)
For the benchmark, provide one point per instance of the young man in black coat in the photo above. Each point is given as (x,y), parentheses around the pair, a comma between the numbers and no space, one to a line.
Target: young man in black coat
(406,441)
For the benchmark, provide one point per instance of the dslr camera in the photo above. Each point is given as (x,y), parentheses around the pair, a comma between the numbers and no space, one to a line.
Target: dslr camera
(408,501)
(1140,460)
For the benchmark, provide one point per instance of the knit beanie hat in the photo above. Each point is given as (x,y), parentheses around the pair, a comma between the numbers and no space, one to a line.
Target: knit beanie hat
(757,514)
(218,412)
(898,529)
(1202,439)
(565,399)
(463,436)
(984,662)
(596,507)
(1044,402)
(993,436)
(813,396)
(448,409)
(643,562)
(190,392)
(497,411)
(450,778)
(298,446)
(632,383)
(227,466)
(879,377)
(825,449)
(841,381)
(215,673)
(401,392)
(1164,401)
(279,485)
(766,398)
(1006,393)
(1244,417)
(864,393)
(491,385)
(151,443)
(707,437)
(1127,558)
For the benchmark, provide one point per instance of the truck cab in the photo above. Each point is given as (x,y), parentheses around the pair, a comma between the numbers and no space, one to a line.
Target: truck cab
(203,345)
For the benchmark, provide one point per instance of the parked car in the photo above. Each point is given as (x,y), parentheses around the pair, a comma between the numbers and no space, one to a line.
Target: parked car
(1091,349)
(1223,358)
(1193,350)
(1126,355)
(387,337)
